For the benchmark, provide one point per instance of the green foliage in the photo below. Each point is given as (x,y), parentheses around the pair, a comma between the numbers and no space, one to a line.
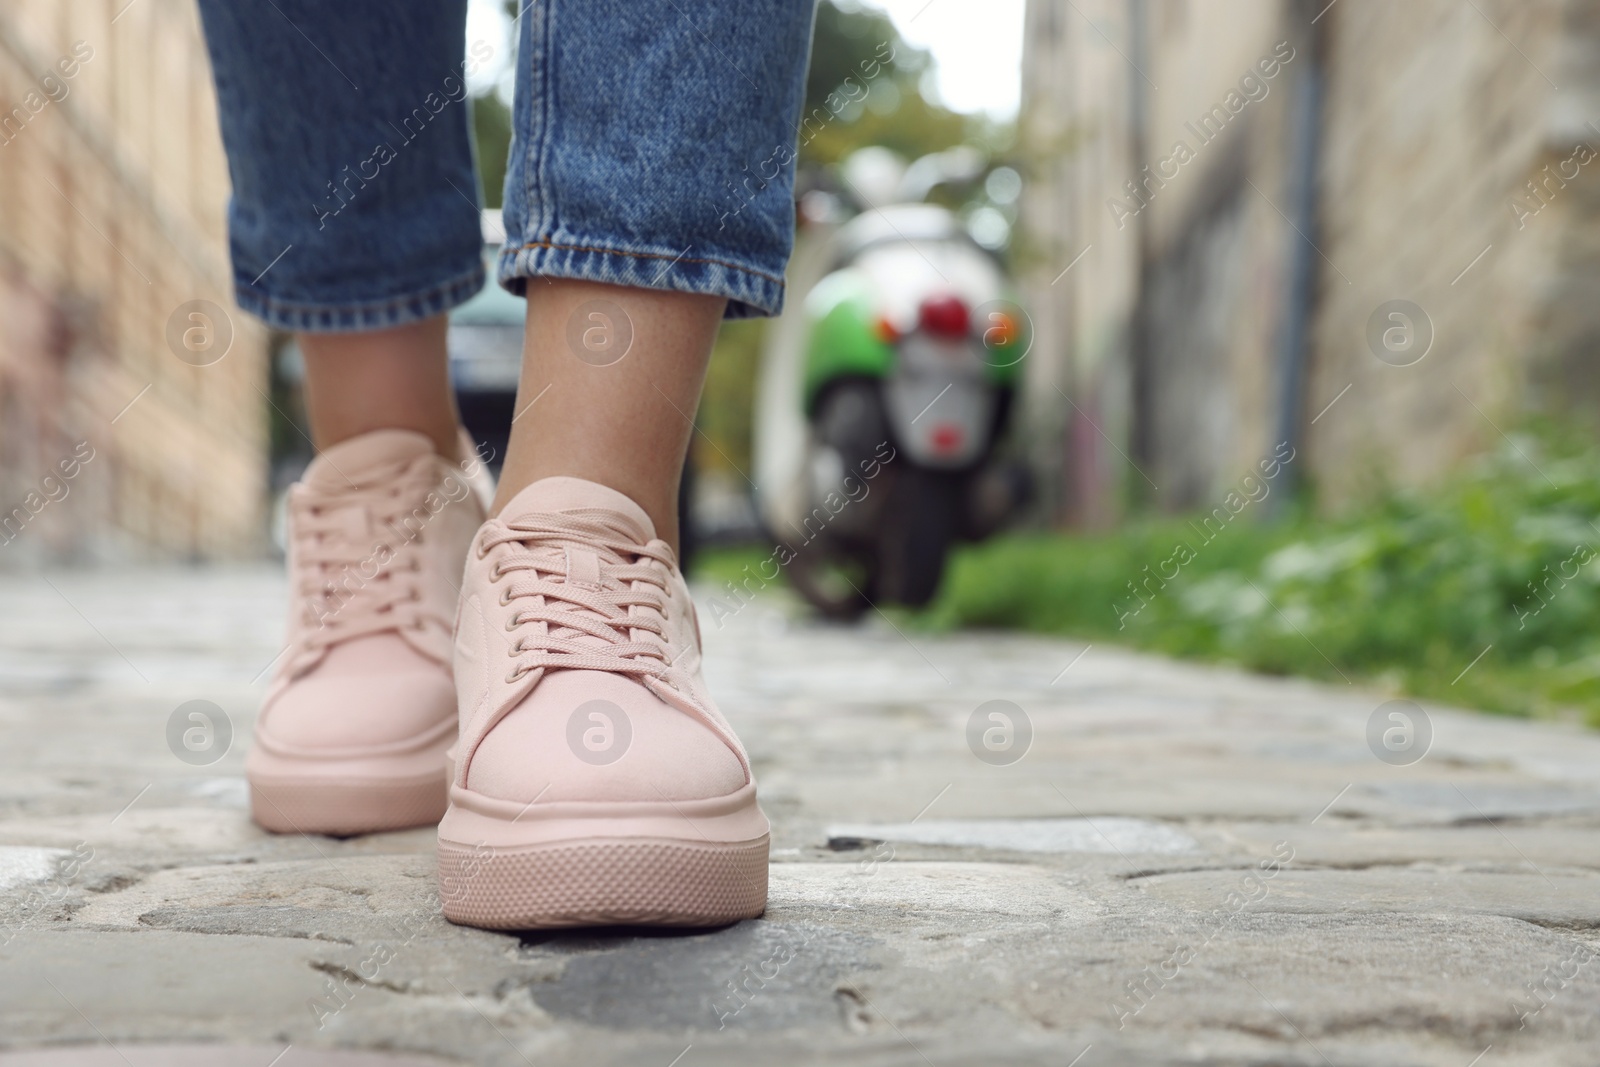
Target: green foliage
(491,135)
(727,404)
(892,113)
(1405,594)
(718,566)
(844,37)
(913,128)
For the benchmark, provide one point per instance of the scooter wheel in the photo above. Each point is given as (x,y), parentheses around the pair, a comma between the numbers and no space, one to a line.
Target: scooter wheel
(918,530)
(834,586)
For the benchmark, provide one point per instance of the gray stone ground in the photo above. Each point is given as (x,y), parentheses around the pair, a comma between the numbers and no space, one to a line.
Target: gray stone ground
(1189,865)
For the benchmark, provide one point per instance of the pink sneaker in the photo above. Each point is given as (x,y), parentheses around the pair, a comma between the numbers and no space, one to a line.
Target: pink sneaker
(352,735)
(594,781)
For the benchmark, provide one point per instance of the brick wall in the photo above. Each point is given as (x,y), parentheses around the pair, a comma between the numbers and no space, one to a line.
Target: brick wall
(112,196)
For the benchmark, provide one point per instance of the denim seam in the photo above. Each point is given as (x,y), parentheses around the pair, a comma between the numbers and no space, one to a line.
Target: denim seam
(553,246)
(395,311)
(538,178)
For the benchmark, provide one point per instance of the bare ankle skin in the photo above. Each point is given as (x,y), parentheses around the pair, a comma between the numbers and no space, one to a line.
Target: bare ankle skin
(611,378)
(397,379)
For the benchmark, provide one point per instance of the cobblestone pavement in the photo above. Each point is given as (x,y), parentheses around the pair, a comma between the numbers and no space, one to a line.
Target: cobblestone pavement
(1186,865)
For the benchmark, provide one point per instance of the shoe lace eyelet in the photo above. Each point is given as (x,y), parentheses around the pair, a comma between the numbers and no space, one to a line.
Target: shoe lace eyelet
(505,597)
(514,675)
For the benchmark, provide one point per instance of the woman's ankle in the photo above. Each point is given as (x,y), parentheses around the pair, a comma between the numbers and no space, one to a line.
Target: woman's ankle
(396,379)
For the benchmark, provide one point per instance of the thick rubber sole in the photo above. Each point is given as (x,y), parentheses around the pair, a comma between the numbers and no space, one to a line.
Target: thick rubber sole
(342,798)
(600,882)
(344,809)
(690,864)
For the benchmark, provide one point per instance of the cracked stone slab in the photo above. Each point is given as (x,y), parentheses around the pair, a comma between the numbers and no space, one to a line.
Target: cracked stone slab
(145,985)
(1366,987)
(883,884)
(210,1056)
(317,899)
(1192,791)
(1107,834)
(1469,802)
(763,976)
(1330,844)
(1563,900)
(157,830)
(21,865)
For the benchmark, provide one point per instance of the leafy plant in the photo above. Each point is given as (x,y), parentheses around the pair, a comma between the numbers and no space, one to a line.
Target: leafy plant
(1481,592)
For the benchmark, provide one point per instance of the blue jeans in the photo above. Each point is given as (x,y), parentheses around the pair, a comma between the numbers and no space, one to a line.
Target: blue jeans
(653,147)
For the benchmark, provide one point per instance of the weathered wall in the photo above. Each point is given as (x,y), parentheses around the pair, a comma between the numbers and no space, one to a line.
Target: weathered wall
(1436,117)
(1164,327)
(1081,282)
(112,194)
(1439,116)
(1205,398)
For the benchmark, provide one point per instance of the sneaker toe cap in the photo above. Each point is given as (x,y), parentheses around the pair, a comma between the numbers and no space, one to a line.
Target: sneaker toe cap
(596,736)
(355,713)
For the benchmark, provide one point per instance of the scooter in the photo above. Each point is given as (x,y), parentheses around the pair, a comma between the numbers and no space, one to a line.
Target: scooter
(885,394)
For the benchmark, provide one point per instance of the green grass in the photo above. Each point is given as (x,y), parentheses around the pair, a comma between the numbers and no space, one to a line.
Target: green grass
(718,566)
(1403,594)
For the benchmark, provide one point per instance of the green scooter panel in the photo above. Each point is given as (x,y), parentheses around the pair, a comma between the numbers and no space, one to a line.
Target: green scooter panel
(844,337)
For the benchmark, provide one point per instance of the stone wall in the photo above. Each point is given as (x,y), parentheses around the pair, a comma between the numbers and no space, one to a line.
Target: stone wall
(1160,333)
(1435,118)
(1439,117)
(1214,246)
(112,195)
(1080,276)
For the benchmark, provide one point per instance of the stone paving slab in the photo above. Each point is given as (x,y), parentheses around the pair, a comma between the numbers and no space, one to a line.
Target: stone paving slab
(1188,865)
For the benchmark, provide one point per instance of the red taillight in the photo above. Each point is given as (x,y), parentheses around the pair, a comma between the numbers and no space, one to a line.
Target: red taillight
(947,437)
(945,316)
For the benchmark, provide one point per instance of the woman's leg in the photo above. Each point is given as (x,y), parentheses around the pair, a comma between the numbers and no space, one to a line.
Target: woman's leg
(395,379)
(353,226)
(625,424)
(645,200)
(591,754)
(353,222)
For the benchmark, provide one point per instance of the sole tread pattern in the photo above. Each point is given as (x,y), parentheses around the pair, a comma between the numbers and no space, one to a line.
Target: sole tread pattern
(599,882)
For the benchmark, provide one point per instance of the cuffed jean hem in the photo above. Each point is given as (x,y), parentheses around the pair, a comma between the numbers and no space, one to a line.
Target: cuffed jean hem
(373,315)
(751,293)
